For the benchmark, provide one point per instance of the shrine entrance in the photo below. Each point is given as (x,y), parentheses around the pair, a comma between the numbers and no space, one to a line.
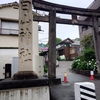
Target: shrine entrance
(52,19)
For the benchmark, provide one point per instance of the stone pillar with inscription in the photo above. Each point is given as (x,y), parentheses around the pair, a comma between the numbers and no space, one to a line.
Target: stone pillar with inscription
(25,68)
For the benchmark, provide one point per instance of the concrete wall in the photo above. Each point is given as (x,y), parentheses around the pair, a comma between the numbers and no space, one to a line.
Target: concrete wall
(6,57)
(9,13)
(88,31)
(8,41)
(35,43)
(33,93)
(35,38)
(39,65)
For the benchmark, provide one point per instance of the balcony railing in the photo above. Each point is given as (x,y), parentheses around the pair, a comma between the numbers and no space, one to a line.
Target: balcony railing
(8,31)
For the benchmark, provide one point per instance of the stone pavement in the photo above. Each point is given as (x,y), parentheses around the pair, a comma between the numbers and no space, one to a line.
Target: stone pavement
(65,91)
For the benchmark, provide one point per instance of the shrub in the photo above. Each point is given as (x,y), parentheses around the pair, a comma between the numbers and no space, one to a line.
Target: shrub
(86,61)
(45,68)
(75,63)
(78,66)
(80,57)
(89,54)
(91,65)
(84,65)
(58,58)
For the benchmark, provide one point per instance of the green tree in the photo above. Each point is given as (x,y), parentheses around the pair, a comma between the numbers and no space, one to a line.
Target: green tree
(78,39)
(87,41)
(57,41)
(89,54)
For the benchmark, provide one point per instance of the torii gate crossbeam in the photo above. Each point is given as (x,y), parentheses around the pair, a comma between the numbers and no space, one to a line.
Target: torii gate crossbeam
(63,21)
(47,6)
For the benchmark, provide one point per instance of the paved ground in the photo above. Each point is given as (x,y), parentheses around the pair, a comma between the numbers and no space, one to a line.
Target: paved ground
(65,91)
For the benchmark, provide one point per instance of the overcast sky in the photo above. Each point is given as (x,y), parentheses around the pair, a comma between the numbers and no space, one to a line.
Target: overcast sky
(63,31)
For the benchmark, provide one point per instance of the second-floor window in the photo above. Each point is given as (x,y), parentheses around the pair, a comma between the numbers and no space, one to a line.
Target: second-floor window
(9,27)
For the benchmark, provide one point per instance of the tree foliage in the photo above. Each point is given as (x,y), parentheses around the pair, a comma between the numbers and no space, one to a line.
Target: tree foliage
(78,39)
(57,41)
(86,61)
(89,54)
(87,41)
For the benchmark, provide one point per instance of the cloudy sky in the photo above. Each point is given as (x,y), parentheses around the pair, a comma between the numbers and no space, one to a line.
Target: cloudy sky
(63,31)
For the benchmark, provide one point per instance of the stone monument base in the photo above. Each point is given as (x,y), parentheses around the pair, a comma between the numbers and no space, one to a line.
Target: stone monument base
(27,89)
(33,93)
(25,75)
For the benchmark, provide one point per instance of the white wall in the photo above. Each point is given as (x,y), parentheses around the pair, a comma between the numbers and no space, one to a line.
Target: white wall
(6,57)
(35,43)
(8,41)
(9,13)
(39,65)
(38,61)
(14,66)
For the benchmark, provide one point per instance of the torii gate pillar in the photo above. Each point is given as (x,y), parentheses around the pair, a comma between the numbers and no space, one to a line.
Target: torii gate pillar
(96,37)
(52,44)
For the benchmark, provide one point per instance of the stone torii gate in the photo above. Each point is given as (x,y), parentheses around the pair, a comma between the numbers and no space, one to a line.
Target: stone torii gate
(25,69)
(30,88)
(52,19)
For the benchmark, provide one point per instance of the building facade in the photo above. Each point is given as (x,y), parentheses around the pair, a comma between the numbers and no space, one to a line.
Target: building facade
(84,30)
(68,49)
